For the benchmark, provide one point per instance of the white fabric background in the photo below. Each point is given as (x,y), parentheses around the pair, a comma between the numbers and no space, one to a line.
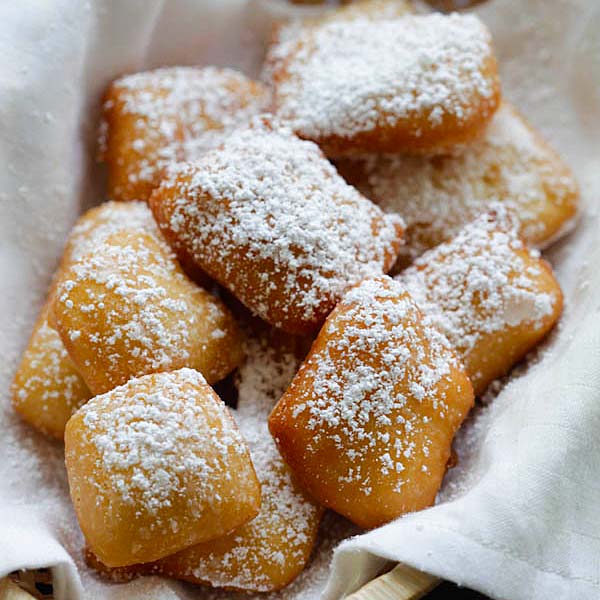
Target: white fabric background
(520,517)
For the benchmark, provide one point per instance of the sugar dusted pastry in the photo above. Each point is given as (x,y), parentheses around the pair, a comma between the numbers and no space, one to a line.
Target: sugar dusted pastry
(269,218)
(492,297)
(438,195)
(266,553)
(155,466)
(411,84)
(125,309)
(47,388)
(367,423)
(156,117)
(286,34)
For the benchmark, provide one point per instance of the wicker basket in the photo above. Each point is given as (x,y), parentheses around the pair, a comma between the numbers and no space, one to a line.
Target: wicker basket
(401,583)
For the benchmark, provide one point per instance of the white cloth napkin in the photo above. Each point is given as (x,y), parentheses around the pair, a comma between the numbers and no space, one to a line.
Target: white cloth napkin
(520,517)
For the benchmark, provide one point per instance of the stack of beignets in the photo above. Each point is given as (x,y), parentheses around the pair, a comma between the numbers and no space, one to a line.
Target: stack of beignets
(241,244)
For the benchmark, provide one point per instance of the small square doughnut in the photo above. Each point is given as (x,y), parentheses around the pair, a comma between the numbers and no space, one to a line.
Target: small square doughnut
(368,421)
(413,84)
(154,118)
(511,163)
(126,308)
(155,466)
(268,552)
(492,297)
(47,388)
(270,219)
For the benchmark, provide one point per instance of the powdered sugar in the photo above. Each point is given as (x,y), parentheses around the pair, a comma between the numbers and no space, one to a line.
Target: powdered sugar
(104,220)
(362,379)
(152,440)
(479,284)
(430,66)
(270,202)
(438,195)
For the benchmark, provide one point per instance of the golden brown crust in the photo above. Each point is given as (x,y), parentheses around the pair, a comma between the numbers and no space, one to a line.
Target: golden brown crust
(155,466)
(158,117)
(126,309)
(368,421)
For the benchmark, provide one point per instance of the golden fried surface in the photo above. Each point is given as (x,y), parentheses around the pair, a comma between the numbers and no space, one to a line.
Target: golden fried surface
(126,309)
(367,423)
(155,466)
(154,118)
(492,297)
(47,388)
(270,219)
(412,84)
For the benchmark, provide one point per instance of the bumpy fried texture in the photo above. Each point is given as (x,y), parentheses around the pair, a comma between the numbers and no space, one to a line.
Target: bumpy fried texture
(155,466)
(268,552)
(368,421)
(47,388)
(437,196)
(271,220)
(154,118)
(126,309)
(492,297)
(412,84)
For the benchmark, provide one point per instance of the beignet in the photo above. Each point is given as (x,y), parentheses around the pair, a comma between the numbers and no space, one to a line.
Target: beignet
(154,118)
(492,297)
(437,196)
(416,83)
(269,218)
(368,421)
(126,309)
(155,466)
